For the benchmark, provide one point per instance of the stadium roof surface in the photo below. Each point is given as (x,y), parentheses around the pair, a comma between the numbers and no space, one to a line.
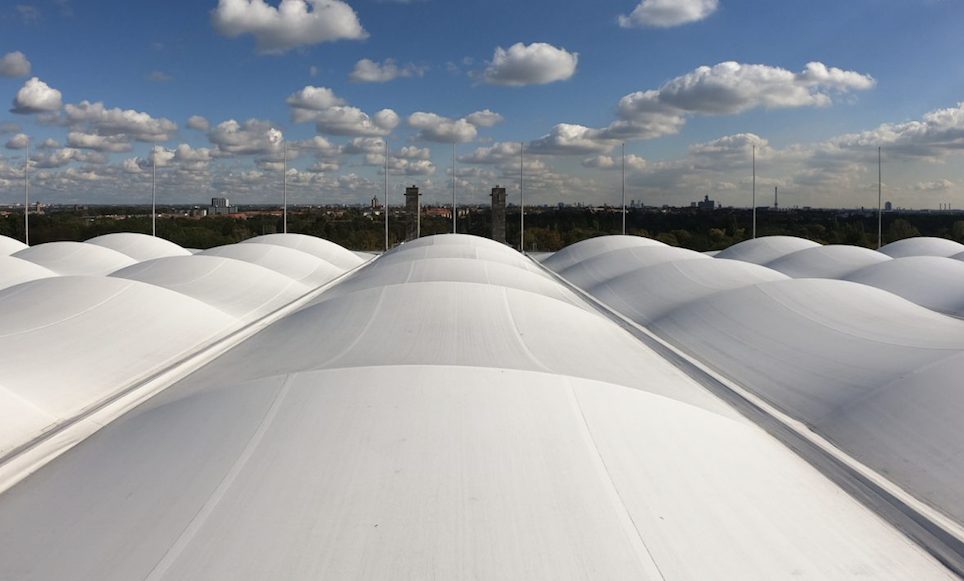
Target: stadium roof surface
(453,410)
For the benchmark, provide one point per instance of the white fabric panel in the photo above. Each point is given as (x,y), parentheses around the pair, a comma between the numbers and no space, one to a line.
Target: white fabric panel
(322,249)
(934,282)
(650,292)
(922,246)
(243,290)
(833,261)
(588,248)
(437,472)
(69,342)
(140,247)
(605,266)
(765,249)
(9,245)
(301,266)
(14,271)
(76,258)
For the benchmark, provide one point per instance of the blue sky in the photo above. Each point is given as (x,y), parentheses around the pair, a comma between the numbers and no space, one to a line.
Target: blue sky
(690,86)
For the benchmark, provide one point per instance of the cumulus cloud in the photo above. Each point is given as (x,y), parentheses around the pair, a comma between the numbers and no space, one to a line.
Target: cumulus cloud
(198,122)
(495,154)
(937,134)
(365,145)
(318,144)
(37,96)
(14,64)
(254,136)
(438,129)
(536,64)
(18,141)
(309,101)
(935,186)
(353,121)
(569,139)
(668,13)
(57,158)
(292,24)
(97,119)
(484,118)
(111,143)
(368,71)
(413,152)
(633,162)
(49,143)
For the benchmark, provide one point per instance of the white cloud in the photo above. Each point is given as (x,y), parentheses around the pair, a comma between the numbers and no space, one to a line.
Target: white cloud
(159,77)
(111,143)
(14,64)
(254,136)
(569,139)
(365,145)
(729,88)
(633,162)
(667,13)
(495,154)
(198,122)
(322,146)
(937,134)
(57,158)
(536,64)
(368,71)
(353,121)
(935,186)
(49,143)
(432,127)
(309,101)
(292,24)
(413,152)
(99,120)
(484,118)
(18,141)
(37,96)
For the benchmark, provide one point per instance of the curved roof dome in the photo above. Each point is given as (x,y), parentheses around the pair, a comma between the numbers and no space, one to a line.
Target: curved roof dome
(646,294)
(140,247)
(69,342)
(766,249)
(76,258)
(922,246)
(243,290)
(9,245)
(934,282)
(584,249)
(15,271)
(324,249)
(832,261)
(303,267)
(611,264)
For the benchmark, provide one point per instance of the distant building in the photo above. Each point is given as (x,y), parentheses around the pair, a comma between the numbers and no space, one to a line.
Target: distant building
(888,207)
(706,205)
(221,206)
(413,226)
(498,214)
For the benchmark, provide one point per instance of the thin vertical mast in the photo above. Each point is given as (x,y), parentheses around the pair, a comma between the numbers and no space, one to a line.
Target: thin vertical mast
(385,203)
(624,189)
(154,189)
(522,200)
(454,162)
(26,195)
(879,189)
(284,171)
(754,191)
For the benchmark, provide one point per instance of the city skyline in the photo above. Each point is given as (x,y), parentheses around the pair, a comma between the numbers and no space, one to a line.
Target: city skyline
(691,87)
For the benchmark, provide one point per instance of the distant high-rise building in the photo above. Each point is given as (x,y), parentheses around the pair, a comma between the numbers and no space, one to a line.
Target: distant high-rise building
(706,204)
(221,206)
(888,207)
(498,214)
(413,226)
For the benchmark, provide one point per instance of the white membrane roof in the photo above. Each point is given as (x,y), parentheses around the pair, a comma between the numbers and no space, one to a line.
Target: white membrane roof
(765,249)
(441,418)
(922,246)
(870,363)
(9,245)
(76,258)
(140,247)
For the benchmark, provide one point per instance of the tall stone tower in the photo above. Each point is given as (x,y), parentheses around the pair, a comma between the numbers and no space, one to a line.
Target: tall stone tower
(413,226)
(498,214)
